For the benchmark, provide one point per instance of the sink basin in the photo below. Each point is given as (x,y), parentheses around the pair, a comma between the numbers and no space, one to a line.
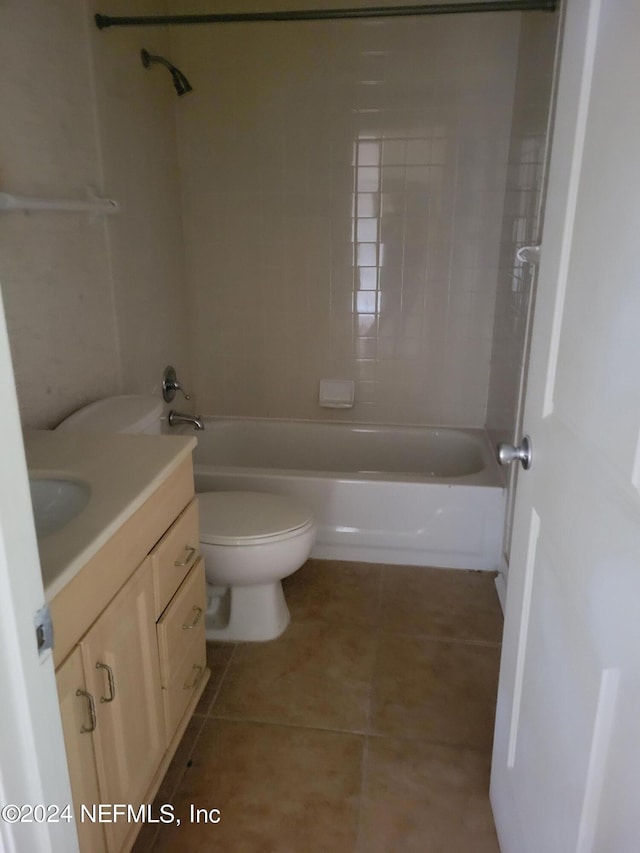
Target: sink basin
(56,501)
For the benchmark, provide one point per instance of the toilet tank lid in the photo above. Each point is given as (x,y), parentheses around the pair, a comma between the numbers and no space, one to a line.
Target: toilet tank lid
(237,516)
(130,413)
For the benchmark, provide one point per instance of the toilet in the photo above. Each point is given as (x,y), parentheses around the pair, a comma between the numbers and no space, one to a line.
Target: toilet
(250,541)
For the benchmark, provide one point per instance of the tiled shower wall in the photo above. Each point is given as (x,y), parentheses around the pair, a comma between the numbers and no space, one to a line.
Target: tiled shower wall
(136,131)
(343,188)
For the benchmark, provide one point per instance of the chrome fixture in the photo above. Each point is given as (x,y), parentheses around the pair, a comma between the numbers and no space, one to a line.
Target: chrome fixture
(177,418)
(44,629)
(529,254)
(112,683)
(190,552)
(508,453)
(170,385)
(92,712)
(182,85)
(197,613)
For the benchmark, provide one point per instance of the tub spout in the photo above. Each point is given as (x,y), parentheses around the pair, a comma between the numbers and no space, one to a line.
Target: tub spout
(177,418)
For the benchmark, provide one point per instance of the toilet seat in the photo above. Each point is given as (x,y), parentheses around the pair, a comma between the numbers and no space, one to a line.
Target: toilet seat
(250,518)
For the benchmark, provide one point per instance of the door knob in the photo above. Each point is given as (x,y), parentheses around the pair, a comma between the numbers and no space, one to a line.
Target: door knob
(508,453)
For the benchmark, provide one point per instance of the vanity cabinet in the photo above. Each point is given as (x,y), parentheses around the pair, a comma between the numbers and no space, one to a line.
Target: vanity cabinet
(121,666)
(77,710)
(130,683)
(112,709)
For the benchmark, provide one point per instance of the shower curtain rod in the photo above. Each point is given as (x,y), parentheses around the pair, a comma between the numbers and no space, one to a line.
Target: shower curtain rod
(103,21)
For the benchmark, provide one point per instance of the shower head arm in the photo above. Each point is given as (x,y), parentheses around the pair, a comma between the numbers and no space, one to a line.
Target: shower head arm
(149,59)
(182,85)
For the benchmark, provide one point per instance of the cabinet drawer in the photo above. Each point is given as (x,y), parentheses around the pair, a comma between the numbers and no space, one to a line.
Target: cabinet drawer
(190,677)
(174,555)
(183,623)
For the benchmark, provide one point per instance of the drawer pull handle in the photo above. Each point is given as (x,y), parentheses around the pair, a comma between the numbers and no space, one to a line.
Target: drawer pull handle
(191,552)
(199,673)
(92,711)
(112,683)
(198,611)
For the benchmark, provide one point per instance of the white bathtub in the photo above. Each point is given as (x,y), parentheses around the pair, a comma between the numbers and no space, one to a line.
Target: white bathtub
(384,494)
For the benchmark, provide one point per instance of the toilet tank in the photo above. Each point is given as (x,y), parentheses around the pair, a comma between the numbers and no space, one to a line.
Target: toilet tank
(130,413)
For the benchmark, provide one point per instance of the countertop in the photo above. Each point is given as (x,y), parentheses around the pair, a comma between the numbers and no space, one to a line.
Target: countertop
(122,471)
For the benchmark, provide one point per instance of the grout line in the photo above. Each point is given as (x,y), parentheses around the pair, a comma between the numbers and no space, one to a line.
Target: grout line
(172,791)
(357,733)
(363,783)
(439,638)
(383,569)
(282,724)
(151,842)
(187,759)
(478,750)
(151,845)
(222,678)
(203,718)
(376,654)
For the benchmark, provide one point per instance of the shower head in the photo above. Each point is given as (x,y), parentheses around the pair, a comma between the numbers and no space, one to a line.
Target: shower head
(180,82)
(182,85)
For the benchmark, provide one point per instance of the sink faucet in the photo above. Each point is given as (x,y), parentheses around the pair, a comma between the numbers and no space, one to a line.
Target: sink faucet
(176,418)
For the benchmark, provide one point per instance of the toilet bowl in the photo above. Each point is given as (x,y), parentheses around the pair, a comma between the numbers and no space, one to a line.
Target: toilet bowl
(250,541)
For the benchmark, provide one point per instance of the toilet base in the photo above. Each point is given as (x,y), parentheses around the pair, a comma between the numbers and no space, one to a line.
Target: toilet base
(247,613)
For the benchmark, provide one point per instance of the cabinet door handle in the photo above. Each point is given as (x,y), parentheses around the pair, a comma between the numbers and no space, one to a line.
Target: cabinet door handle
(92,711)
(190,555)
(198,611)
(112,683)
(199,673)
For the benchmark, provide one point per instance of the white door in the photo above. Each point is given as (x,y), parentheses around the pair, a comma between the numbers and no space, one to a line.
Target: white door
(33,766)
(566,763)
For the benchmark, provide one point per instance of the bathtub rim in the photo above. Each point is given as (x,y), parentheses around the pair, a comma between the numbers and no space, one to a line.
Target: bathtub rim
(490,475)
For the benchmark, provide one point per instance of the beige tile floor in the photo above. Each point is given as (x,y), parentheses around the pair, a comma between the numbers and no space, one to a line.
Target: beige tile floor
(365,728)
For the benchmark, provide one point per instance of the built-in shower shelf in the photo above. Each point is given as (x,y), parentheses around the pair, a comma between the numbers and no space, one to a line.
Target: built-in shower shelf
(92,204)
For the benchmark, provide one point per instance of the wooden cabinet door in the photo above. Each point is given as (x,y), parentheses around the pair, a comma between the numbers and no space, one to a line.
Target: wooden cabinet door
(78,721)
(120,656)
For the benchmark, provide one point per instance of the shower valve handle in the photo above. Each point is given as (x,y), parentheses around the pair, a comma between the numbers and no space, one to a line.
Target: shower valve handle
(170,385)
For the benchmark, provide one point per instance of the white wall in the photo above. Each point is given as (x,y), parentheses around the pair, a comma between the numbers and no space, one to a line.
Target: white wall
(54,268)
(93,308)
(343,185)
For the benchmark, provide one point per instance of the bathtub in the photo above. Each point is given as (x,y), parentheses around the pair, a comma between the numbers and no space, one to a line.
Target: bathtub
(383,494)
